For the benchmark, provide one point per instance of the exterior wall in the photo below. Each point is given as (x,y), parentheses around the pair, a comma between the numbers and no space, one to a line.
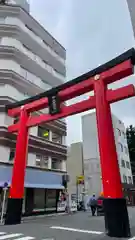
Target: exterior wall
(122,149)
(92,169)
(91,157)
(4,154)
(74,165)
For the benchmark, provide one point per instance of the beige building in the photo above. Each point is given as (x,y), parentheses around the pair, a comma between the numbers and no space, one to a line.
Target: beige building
(75,167)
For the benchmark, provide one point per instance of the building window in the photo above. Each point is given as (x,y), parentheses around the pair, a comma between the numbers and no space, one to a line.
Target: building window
(45,161)
(124,135)
(123,163)
(128,165)
(56,164)
(44,133)
(12,155)
(42,161)
(38,160)
(124,178)
(56,138)
(129,180)
(120,147)
(126,150)
(119,132)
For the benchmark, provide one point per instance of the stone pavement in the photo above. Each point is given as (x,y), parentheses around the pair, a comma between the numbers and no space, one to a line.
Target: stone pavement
(78,226)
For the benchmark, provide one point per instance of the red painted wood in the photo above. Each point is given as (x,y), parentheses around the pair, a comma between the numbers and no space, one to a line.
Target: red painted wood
(17,184)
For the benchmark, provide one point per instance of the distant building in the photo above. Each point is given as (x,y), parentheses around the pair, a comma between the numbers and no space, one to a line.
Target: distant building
(75,169)
(92,169)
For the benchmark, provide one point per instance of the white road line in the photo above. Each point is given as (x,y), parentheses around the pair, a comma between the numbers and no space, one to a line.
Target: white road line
(8,236)
(76,230)
(133,238)
(25,238)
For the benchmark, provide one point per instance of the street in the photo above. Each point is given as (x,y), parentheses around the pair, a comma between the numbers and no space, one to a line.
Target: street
(78,226)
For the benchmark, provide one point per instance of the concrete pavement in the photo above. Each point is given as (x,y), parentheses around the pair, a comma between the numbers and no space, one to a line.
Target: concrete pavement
(79,226)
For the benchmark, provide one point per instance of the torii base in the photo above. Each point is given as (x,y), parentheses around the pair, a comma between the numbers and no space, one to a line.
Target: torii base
(14,211)
(116,218)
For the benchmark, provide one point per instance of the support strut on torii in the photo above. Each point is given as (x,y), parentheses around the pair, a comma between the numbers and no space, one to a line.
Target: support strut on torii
(116,216)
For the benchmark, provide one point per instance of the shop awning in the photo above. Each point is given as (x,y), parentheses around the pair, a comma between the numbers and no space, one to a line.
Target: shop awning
(44,186)
(34,178)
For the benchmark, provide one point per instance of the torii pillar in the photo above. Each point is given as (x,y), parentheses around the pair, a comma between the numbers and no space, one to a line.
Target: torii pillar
(114,203)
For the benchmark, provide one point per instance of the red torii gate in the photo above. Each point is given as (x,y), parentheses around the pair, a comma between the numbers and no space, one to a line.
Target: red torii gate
(116,216)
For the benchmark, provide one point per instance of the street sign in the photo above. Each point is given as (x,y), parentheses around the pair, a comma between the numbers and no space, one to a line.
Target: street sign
(5,185)
(54,104)
(80,179)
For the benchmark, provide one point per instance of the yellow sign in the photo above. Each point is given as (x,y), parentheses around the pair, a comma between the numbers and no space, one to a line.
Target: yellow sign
(80,178)
(45,134)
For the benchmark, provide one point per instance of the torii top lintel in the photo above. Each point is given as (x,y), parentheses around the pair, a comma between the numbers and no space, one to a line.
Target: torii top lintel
(116,69)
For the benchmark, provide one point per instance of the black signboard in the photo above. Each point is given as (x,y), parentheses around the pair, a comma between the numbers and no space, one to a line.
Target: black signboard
(54,104)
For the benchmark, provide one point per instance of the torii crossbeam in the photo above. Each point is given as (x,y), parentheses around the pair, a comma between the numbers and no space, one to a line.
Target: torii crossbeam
(116,216)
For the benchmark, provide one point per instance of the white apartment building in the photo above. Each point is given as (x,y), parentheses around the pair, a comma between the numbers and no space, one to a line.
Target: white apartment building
(92,170)
(31,62)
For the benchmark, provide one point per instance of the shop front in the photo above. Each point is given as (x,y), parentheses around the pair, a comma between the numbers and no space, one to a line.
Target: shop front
(42,189)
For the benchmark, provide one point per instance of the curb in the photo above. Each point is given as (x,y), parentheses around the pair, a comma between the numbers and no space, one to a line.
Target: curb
(25,219)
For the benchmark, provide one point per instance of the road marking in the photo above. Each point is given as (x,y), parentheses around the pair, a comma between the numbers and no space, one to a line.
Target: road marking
(25,238)
(8,236)
(76,230)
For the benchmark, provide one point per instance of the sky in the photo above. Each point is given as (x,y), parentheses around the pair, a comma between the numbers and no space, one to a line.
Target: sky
(93,32)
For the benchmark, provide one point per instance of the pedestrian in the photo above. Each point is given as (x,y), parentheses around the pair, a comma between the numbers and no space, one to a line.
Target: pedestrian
(93,204)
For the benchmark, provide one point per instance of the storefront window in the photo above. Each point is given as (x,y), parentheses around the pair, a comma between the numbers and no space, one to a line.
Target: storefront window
(50,200)
(39,199)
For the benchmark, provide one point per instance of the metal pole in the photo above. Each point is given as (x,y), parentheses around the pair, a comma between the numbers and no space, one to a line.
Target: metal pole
(3,205)
(77,192)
